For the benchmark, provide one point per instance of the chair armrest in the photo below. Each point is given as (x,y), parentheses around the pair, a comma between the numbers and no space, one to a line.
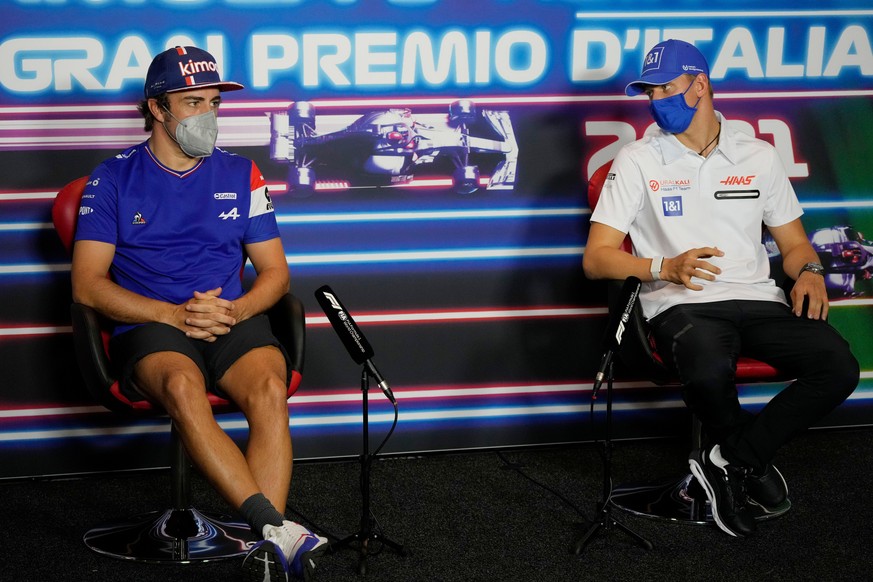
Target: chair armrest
(89,340)
(288,322)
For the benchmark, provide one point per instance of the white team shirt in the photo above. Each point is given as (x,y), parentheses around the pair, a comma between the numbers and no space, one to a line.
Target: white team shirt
(669,199)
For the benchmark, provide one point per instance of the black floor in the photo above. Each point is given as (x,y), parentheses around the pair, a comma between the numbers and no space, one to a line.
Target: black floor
(484,516)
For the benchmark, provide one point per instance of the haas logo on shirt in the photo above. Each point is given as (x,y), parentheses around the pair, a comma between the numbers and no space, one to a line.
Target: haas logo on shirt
(737,181)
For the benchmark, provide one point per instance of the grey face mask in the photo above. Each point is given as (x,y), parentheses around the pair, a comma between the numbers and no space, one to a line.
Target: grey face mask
(196,135)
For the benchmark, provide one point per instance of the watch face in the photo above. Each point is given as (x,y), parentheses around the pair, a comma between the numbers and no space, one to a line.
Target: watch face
(814,267)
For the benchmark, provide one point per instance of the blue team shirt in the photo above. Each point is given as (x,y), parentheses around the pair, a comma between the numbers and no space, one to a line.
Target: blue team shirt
(176,232)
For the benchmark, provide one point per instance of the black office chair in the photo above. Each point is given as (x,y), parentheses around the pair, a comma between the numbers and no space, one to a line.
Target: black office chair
(180,533)
(678,499)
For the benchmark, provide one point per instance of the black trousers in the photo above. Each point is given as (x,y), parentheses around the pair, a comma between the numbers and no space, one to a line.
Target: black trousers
(702,343)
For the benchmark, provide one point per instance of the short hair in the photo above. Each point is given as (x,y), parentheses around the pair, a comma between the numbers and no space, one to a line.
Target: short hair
(143,107)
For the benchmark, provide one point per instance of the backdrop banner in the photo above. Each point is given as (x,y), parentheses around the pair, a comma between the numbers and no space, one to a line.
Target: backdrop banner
(459,252)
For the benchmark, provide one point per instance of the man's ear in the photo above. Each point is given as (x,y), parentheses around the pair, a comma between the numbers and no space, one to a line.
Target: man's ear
(157,111)
(702,82)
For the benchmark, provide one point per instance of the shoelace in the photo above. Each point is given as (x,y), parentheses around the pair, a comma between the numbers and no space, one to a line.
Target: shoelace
(736,477)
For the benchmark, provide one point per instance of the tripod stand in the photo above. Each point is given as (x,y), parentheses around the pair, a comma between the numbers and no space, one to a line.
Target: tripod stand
(365,536)
(607,522)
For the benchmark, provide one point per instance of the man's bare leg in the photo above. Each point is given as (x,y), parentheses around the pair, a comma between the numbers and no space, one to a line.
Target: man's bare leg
(256,383)
(176,383)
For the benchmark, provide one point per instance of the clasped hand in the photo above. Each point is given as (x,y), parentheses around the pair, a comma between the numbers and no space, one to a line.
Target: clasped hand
(207,315)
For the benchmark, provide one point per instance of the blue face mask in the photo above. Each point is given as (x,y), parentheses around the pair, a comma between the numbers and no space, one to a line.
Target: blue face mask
(673,114)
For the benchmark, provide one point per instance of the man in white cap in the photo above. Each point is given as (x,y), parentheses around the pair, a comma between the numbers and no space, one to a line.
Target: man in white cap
(693,194)
(172,219)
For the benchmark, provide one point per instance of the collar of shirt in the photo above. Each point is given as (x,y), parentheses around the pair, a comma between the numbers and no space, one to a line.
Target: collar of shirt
(672,149)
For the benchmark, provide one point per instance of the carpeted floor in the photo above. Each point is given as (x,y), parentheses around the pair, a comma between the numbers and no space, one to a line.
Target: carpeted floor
(483,516)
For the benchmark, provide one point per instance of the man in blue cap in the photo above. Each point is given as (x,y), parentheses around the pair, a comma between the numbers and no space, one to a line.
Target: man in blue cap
(172,220)
(692,195)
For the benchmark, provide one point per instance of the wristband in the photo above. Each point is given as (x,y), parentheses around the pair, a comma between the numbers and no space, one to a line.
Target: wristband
(655,269)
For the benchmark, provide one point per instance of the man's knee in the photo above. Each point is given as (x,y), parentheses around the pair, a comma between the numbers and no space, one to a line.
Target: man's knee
(841,368)
(266,391)
(182,393)
(830,369)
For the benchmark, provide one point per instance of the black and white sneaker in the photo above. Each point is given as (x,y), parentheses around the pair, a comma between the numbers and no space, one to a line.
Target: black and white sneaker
(768,489)
(724,485)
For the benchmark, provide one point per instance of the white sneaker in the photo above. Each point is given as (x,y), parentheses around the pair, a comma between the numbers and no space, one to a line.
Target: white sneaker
(286,549)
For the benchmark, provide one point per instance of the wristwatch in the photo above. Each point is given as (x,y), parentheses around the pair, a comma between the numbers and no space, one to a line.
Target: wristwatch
(655,269)
(812,268)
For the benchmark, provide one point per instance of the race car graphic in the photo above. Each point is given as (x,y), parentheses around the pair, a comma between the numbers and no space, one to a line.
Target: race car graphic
(845,255)
(389,147)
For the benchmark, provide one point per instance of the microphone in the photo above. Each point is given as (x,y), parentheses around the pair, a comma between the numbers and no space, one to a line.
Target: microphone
(628,297)
(353,339)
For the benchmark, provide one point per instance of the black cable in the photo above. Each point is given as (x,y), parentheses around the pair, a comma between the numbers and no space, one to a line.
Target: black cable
(554,492)
(377,525)
(601,448)
(329,535)
(390,432)
(310,524)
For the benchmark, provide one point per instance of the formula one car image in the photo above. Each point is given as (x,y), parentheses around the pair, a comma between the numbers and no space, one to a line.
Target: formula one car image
(389,147)
(845,254)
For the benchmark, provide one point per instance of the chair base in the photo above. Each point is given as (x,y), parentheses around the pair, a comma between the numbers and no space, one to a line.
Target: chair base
(681,501)
(173,536)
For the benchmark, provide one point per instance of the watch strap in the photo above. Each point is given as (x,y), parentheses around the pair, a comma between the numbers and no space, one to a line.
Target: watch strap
(816,268)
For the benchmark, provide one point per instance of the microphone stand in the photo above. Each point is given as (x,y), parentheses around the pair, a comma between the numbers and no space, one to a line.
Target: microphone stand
(365,536)
(607,522)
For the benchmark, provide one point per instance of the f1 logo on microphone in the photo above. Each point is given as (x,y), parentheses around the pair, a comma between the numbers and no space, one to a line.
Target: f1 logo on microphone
(625,316)
(620,331)
(334,302)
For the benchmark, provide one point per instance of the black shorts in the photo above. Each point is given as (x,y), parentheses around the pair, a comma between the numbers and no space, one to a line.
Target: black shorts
(213,358)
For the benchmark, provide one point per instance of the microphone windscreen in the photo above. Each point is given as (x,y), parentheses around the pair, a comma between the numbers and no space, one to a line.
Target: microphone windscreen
(343,324)
(627,300)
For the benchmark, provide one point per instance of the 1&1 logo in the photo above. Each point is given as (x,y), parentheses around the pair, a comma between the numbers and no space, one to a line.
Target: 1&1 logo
(672,205)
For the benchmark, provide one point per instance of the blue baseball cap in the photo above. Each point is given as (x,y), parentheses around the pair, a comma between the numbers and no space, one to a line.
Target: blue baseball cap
(181,68)
(666,61)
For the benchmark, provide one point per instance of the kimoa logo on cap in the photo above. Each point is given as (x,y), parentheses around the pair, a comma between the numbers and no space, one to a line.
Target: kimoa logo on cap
(192,68)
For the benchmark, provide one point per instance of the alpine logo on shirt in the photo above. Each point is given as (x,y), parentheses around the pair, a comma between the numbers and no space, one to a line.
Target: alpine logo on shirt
(232,213)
